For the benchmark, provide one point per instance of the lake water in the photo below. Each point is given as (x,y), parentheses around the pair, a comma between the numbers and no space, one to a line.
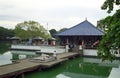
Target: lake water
(9,56)
(80,67)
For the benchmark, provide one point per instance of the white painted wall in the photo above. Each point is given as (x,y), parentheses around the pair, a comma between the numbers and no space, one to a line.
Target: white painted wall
(90,52)
(43,49)
(25,47)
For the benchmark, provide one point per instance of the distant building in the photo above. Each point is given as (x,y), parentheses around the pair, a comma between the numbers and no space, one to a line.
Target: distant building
(37,40)
(15,40)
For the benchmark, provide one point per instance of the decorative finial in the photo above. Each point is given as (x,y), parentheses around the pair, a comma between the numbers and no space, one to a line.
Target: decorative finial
(85,18)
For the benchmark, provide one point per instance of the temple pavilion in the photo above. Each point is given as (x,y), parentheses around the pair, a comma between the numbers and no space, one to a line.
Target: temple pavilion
(84,33)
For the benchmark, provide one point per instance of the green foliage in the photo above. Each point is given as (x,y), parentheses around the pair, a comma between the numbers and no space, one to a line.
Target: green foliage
(109,5)
(63,29)
(104,23)
(4,33)
(110,43)
(4,47)
(29,29)
(52,32)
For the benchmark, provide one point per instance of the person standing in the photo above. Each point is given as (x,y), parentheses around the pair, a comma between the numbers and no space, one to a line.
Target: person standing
(80,49)
(55,55)
(66,48)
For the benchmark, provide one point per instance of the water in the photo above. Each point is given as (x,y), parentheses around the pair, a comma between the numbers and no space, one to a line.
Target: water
(5,58)
(10,56)
(73,68)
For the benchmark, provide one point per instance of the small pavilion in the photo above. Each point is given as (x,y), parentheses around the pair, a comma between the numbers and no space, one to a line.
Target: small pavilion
(84,33)
(15,40)
(37,40)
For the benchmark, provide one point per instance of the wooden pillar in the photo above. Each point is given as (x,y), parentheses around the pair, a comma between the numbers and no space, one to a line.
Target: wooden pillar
(19,76)
(22,75)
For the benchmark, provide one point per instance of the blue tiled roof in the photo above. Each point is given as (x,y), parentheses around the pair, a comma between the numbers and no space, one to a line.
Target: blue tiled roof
(85,28)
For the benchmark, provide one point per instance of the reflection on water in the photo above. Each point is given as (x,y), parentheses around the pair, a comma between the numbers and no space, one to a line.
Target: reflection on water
(115,63)
(5,58)
(17,55)
(74,75)
(10,56)
(77,68)
(62,76)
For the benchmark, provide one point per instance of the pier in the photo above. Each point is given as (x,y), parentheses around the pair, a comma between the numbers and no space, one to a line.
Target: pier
(18,69)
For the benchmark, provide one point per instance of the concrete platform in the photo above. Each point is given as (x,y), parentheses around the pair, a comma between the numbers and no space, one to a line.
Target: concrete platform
(115,73)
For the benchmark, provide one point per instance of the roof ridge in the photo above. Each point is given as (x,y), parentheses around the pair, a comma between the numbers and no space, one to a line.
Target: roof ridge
(81,25)
(95,27)
(71,27)
(75,25)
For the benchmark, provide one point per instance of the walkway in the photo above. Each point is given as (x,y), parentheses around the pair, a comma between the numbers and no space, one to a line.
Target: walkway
(26,65)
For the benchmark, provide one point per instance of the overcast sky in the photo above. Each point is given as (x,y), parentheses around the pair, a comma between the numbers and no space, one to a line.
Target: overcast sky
(57,13)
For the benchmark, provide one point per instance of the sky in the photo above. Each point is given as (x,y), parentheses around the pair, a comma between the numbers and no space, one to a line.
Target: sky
(52,14)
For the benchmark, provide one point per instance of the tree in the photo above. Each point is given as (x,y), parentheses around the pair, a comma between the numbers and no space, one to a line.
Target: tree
(4,33)
(29,29)
(110,43)
(63,29)
(52,32)
(109,4)
(104,23)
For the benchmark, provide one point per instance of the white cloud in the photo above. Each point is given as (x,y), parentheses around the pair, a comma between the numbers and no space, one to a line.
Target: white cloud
(8,24)
(52,3)
(57,13)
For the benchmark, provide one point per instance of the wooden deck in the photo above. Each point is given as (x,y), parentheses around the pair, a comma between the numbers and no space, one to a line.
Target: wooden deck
(26,65)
